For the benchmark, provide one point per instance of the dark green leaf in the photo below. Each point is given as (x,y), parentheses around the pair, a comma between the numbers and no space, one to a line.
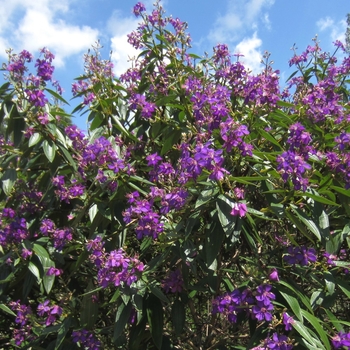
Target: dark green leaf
(62,332)
(121,318)
(178,316)
(8,180)
(49,150)
(155,320)
(56,95)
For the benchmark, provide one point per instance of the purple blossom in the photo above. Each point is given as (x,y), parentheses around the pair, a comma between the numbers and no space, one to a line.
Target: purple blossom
(273,276)
(86,339)
(341,340)
(239,209)
(287,321)
(173,283)
(262,312)
(300,255)
(36,97)
(138,9)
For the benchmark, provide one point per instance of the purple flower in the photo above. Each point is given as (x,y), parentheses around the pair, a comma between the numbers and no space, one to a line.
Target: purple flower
(138,9)
(173,283)
(300,255)
(53,271)
(262,312)
(278,342)
(36,97)
(86,339)
(341,340)
(273,276)
(264,294)
(240,209)
(287,321)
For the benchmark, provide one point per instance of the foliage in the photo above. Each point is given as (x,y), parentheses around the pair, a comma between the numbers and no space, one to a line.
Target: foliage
(206,208)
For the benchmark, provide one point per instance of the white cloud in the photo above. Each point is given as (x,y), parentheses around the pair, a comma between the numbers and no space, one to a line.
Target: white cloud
(239,26)
(240,17)
(325,23)
(335,30)
(122,51)
(249,47)
(32,25)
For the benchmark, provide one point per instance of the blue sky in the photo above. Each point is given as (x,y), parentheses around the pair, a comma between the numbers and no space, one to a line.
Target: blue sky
(69,28)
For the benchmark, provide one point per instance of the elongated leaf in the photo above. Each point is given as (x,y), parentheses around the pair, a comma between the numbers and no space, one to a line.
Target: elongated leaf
(224,207)
(8,180)
(62,332)
(49,150)
(178,316)
(34,270)
(121,319)
(34,139)
(158,293)
(309,223)
(56,95)
(89,309)
(320,199)
(317,326)
(294,304)
(155,320)
(7,309)
(304,332)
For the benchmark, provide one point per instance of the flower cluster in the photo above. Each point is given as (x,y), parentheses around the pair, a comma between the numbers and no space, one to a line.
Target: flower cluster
(13,229)
(139,102)
(233,133)
(113,268)
(204,157)
(64,192)
(51,312)
(86,339)
(341,340)
(300,255)
(258,304)
(141,213)
(60,237)
(23,318)
(173,283)
(276,342)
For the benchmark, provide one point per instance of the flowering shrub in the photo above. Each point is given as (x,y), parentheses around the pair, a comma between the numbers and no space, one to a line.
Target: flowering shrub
(205,208)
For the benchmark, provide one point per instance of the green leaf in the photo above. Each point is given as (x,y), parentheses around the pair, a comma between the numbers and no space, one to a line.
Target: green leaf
(171,139)
(320,199)
(121,319)
(49,150)
(341,190)
(294,304)
(315,323)
(329,280)
(62,332)
(158,293)
(56,95)
(3,307)
(155,320)
(308,222)
(270,138)
(35,271)
(68,156)
(228,222)
(34,139)
(8,180)
(207,195)
(40,251)
(314,343)
(89,309)
(214,237)
(178,316)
